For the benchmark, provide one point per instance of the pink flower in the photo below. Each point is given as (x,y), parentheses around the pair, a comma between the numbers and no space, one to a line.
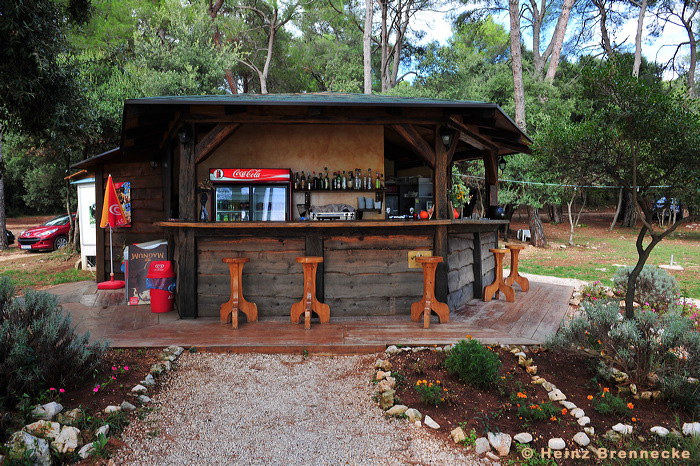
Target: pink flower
(52,389)
(96,389)
(114,368)
(61,390)
(114,378)
(126,368)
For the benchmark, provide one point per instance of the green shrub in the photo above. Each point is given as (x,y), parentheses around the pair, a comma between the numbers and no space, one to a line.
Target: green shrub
(665,345)
(654,286)
(38,345)
(607,403)
(531,412)
(682,393)
(473,364)
(431,393)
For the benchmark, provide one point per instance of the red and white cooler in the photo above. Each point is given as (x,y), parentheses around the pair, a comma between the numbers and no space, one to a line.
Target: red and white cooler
(251,194)
(161,281)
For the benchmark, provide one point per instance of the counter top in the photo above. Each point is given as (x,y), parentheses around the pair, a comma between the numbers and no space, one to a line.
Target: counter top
(331,224)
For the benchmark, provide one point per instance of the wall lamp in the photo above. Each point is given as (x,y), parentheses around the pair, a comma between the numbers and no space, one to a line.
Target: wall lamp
(446,135)
(502,162)
(183,135)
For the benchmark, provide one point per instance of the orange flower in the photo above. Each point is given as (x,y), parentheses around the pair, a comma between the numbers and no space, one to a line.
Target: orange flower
(437,381)
(553,418)
(425,381)
(634,419)
(444,389)
(521,395)
(602,395)
(600,342)
(606,390)
(430,384)
(590,397)
(630,405)
(518,405)
(563,412)
(468,337)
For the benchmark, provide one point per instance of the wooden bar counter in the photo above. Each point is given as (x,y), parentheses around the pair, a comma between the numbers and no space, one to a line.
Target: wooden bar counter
(365,271)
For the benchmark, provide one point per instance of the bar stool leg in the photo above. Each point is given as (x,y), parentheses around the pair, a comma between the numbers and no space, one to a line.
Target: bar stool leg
(514,275)
(498,283)
(429,303)
(237,302)
(309,303)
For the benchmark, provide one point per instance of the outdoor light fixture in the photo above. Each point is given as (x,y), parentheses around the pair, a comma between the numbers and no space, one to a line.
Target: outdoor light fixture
(183,135)
(446,135)
(501,162)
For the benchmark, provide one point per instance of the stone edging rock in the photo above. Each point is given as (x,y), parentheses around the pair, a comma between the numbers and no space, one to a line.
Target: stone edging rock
(501,442)
(36,438)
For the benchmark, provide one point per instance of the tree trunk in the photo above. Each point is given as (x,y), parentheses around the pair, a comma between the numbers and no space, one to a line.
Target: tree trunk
(508,212)
(571,219)
(693,59)
(76,234)
(617,211)
(604,34)
(384,64)
(71,220)
(367,47)
(537,238)
(638,39)
(398,47)
(629,218)
(538,60)
(558,213)
(270,44)
(3,224)
(558,39)
(516,56)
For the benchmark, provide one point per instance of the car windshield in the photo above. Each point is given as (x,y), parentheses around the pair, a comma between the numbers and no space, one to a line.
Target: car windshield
(58,221)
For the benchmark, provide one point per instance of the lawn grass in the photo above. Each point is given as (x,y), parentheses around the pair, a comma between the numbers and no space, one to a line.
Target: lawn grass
(595,255)
(34,278)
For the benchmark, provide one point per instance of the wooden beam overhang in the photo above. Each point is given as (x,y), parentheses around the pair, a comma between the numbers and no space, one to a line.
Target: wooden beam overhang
(467,132)
(507,143)
(213,139)
(417,143)
(169,134)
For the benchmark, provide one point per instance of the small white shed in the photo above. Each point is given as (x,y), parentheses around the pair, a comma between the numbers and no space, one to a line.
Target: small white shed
(87,221)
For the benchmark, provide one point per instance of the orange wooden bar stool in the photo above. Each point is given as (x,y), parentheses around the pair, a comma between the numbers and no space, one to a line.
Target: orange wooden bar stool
(237,301)
(429,303)
(498,283)
(308,302)
(514,276)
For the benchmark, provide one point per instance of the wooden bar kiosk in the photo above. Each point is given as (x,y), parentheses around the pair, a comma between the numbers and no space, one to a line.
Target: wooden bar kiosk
(219,177)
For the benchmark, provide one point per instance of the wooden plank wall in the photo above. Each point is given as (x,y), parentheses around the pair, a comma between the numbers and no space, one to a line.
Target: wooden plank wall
(272,279)
(369,275)
(460,275)
(146,208)
(488,263)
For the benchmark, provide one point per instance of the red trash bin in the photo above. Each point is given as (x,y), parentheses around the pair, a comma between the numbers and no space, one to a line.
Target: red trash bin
(161,281)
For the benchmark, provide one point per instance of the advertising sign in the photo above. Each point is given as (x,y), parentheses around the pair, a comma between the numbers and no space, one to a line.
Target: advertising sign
(250,175)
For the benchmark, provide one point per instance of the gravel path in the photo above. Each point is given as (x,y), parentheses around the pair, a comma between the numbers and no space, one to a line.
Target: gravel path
(276,410)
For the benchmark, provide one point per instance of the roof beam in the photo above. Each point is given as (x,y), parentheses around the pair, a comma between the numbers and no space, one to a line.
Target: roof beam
(213,139)
(419,145)
(455,123)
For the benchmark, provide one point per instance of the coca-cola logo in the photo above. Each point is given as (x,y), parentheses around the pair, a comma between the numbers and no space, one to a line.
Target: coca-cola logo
(251,173)
(218,173)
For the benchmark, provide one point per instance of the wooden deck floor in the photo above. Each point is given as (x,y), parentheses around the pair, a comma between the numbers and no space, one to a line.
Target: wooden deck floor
(529,320)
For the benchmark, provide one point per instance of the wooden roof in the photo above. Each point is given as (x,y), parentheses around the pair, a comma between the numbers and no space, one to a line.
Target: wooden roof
(149,124)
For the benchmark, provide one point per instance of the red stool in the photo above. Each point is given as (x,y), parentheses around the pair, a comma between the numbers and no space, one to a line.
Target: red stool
(498,283)
(514,276)
(237,302)
(429,303)
(309,303)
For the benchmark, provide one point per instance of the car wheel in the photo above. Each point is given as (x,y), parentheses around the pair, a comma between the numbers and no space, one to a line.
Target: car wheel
(60,242)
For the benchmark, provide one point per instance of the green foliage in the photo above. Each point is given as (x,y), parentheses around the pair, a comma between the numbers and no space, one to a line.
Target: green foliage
(682,393)
(431,393)
(651,343)
(533,412)
(655,287)
(470,435)
(473,364)
(607,403)
(38,345)
(101,447)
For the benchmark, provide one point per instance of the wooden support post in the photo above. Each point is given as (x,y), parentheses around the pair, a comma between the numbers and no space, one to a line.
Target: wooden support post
(440,180)
(478,267)
(491,178)
(188,182)
(100,244)
(186,259)
(440,248)
(314,248)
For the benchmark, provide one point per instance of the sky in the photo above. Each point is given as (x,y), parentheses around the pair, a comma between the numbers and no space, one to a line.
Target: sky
(660,49)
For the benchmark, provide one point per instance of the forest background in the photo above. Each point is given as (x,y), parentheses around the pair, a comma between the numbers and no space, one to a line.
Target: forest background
(563,70)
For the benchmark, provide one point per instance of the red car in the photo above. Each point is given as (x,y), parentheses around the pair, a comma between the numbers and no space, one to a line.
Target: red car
(47,236)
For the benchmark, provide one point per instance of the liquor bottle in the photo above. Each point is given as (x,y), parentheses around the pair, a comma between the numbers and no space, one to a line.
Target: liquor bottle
(351,181)
(296,181)
(344,181)
(377,184)
(338,181)
(315,182)
(302,181)
(368,182)
(326,182)
(309,180)
(358,175)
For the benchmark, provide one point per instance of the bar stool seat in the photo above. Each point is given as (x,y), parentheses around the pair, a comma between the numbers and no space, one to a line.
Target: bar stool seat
(498,283)
(237,301)
(309,303)
(514,275)
(429,303)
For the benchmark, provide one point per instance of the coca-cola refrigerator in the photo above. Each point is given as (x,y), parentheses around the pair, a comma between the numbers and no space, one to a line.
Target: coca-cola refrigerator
(251,194)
